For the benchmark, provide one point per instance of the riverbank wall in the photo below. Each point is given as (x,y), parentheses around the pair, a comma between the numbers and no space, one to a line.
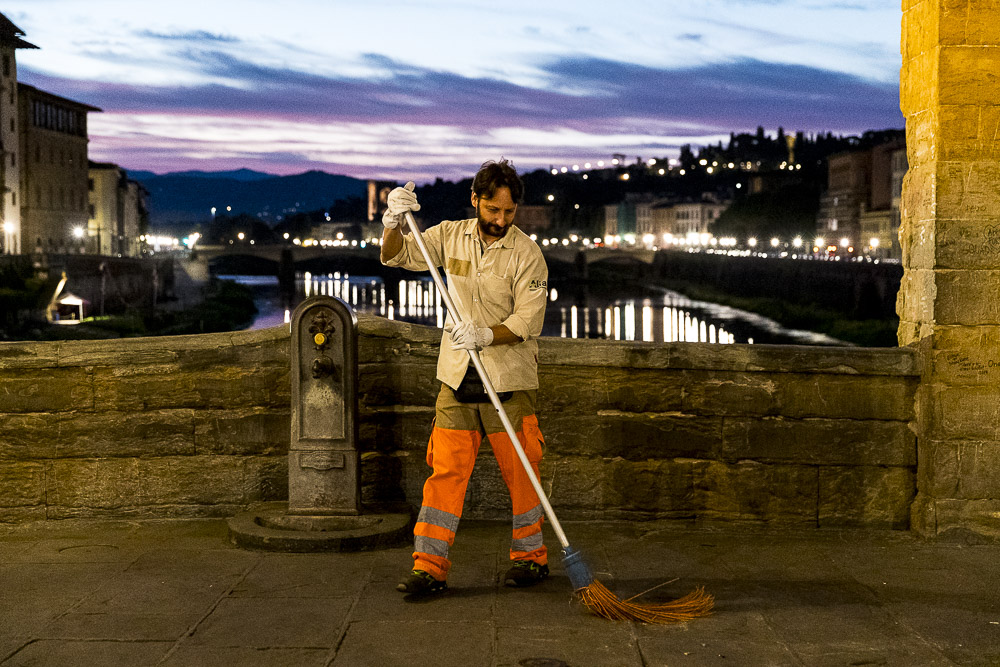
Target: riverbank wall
(860,290)
(199,426)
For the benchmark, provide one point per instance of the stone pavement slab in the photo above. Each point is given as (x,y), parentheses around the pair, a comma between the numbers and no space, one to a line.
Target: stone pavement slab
(178,593)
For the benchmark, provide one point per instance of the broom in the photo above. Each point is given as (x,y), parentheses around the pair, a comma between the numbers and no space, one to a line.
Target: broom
(592,593)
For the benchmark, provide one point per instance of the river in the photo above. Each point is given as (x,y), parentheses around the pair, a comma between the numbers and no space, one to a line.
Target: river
(654,315)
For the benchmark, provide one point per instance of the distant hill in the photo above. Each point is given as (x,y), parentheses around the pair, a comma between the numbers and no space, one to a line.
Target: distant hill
(187,197)
(236,174)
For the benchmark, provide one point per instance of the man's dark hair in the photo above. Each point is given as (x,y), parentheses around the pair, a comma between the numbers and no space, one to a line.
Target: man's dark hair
(493,175)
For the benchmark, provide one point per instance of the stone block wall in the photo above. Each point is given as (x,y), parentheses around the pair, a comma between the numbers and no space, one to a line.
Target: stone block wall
(144,427)
(199,426)
(950,229)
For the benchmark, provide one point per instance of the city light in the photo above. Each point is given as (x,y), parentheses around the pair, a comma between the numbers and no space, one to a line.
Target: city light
(819,242)
(551,197)
(8,227)
(797,242)
(285,236)
(873,242)
(78,232)
(775,242)
(844,242)
(241,236)
(752,242)
(554,171)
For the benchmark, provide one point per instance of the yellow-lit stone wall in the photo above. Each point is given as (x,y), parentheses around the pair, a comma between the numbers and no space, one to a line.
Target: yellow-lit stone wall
(189,426)
(949,301)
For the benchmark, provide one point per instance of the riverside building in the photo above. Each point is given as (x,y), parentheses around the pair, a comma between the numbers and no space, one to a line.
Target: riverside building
(10,159)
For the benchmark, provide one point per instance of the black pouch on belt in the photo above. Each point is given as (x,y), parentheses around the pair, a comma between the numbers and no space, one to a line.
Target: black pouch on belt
(472,389)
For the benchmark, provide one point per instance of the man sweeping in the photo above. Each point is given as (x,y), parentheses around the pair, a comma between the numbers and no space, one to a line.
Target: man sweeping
(497,278)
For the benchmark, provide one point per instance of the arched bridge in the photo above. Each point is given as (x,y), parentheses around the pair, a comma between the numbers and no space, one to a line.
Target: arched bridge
(246,259)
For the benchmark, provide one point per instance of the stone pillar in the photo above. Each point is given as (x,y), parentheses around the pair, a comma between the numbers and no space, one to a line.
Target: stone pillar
(949,300)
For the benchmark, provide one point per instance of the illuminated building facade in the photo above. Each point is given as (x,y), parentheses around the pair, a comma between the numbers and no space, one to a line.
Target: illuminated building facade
(53,144)
(116,212)
(11,233)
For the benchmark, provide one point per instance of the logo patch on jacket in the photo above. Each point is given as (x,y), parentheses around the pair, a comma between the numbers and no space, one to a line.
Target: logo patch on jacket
(536,284)
(458,267)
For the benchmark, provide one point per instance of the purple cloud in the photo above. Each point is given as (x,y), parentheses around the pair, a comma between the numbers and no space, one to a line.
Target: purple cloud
(587,94)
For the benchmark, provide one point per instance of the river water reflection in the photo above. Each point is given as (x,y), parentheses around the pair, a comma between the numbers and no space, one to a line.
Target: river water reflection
(656,315)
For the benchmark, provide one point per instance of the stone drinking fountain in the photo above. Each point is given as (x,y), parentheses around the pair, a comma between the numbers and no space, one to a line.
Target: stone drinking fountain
(324,511)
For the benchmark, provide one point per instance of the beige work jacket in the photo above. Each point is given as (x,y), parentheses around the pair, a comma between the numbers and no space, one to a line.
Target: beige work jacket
(505,284)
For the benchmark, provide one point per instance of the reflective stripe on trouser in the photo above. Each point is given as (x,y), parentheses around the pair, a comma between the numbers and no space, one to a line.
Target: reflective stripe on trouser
(451,453)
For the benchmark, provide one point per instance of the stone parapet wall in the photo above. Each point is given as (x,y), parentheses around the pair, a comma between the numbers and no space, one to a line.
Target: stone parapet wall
(144,427)
(199,426)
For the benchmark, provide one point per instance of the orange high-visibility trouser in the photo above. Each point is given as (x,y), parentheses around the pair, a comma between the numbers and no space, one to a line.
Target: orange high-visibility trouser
(451,453)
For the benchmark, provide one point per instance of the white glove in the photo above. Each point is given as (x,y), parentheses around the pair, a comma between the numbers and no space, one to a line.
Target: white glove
(467,336)
(399,201)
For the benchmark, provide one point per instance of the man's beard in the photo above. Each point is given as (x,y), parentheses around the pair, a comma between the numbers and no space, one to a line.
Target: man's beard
(491,229)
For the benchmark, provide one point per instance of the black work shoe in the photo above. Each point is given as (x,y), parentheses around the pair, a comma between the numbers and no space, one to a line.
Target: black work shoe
(525,573)
(421,584)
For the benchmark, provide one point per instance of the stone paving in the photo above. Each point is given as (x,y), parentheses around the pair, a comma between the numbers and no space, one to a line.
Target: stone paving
(85,592)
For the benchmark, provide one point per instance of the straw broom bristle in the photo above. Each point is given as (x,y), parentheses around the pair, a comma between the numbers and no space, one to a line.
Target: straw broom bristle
(602,602)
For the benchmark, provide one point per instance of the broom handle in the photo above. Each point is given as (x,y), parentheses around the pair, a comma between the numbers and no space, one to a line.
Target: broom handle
(494,399)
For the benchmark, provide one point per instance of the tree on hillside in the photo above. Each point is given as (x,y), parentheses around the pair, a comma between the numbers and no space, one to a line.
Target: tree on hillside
(785,212)
(226,228)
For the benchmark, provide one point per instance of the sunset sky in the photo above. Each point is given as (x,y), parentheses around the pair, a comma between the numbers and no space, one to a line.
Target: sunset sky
(420,90)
